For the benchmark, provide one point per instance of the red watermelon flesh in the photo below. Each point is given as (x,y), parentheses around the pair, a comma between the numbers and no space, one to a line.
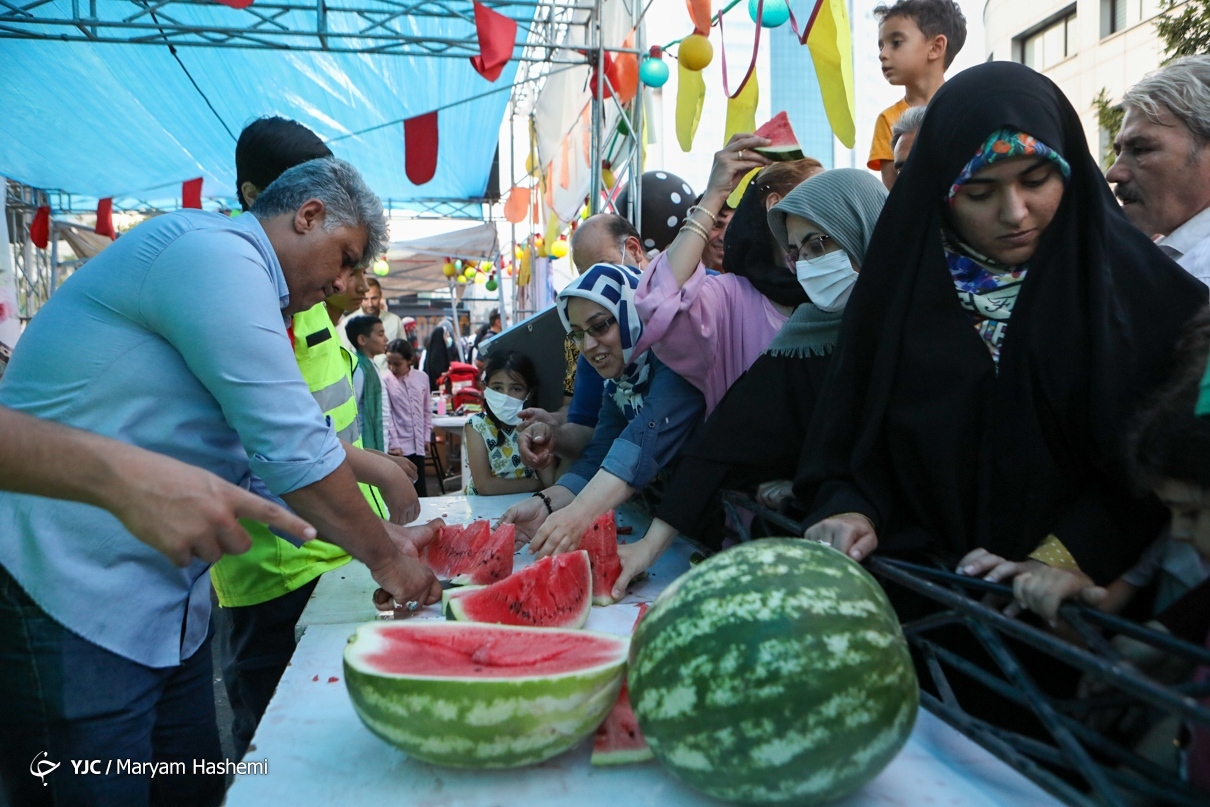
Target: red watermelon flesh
(601,542)
(555,592)
(618,740)
(472,554)
(784,145)
(455,650)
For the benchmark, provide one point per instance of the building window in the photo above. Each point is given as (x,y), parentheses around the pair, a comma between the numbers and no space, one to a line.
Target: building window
(1118,15)
(1052,42)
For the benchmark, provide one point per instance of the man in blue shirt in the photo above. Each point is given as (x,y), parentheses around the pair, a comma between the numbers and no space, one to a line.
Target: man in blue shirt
(174,340)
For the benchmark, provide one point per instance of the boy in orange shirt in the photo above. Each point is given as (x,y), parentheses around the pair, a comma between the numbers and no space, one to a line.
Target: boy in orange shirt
(917,42)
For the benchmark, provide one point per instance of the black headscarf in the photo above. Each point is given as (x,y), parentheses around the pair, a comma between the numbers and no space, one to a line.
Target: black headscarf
(915,429)
(438,357)
(748,252)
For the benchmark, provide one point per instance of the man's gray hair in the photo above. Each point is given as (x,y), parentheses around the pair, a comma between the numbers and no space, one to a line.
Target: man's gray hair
(910,121)
(1183,86)
(347,199)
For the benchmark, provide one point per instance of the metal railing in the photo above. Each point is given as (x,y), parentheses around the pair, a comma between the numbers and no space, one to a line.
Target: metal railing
(1067,757)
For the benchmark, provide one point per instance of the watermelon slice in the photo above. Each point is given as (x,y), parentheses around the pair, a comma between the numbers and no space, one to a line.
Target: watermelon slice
(785,143)
(471,555)
(618,740)
(470,695)
(601,542)
(555,592)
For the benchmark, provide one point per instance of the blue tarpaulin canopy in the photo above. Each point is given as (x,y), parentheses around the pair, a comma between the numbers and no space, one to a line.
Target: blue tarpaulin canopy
(124,119)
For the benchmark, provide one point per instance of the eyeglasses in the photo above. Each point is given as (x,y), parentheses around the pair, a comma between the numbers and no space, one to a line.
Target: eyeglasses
(815,247)
(597,329)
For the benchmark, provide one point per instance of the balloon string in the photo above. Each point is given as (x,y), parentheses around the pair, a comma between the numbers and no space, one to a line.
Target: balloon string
(722,46)
(802,37)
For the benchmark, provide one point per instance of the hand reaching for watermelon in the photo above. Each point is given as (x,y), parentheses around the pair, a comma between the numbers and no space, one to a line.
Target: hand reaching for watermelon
(851,533)
(561,531)
(638,556)
(530,514)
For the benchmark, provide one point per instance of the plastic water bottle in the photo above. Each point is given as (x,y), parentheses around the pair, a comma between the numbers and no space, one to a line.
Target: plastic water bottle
(441,406)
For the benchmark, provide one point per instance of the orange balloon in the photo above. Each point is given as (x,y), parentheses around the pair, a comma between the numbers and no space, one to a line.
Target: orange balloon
(516,206)
(699,13)
(625,76)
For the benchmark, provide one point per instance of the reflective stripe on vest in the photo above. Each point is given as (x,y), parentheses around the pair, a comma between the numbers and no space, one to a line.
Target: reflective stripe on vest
(351,434)
(333,395)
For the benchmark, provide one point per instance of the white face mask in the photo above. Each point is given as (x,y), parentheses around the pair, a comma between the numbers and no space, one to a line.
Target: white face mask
(828,281)
(505,407)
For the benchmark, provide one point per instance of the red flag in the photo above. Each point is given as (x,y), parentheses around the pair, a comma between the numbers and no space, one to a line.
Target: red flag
(39,228)
(497,37)
(420,147)
(236,3)
(105,218)
(191,194)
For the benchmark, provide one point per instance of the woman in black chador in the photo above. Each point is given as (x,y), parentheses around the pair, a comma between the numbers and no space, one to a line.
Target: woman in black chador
(1007,322)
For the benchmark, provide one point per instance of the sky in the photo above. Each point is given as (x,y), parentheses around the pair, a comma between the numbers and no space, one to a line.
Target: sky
(873,94)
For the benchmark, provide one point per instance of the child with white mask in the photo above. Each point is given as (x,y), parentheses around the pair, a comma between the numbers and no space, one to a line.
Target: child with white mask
(509,381)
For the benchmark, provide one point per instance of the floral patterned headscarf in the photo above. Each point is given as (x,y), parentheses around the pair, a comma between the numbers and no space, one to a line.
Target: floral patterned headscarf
(1004,144)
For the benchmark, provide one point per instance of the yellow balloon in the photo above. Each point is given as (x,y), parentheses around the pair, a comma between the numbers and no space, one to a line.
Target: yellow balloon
(518,252)
(448,269)
(382,268)
(485,266)
(558,249)
(461,280)
(695,52)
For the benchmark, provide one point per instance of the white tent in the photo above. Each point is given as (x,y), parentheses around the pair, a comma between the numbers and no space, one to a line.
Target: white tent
(416,265)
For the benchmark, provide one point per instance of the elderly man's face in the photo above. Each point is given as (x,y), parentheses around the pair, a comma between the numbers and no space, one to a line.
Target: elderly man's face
(903,147)
(1162,172)
(316,262)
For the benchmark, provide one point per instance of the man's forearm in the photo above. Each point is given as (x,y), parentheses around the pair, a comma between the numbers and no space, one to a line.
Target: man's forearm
(337,508)
(45,458)
(571,439)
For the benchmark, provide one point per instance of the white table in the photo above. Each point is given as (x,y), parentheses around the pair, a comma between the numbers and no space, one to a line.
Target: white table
(453,424)
(319,753)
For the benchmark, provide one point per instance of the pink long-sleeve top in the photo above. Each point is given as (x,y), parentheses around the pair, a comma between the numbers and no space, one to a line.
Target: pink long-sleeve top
(709,331)
(411,419)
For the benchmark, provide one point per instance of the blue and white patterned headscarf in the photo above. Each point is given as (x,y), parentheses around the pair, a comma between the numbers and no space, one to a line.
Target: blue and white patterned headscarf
(612,287)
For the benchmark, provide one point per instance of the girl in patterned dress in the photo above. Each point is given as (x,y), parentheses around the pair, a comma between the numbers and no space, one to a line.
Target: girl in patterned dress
(491,435)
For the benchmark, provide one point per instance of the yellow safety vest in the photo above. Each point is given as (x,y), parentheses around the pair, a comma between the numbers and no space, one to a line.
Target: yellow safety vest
(274,567)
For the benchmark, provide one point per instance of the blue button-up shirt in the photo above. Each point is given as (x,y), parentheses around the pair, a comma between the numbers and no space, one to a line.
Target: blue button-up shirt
(635,451)
(171,339)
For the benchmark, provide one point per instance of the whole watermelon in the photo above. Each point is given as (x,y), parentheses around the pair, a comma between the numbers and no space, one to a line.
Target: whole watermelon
(774,673)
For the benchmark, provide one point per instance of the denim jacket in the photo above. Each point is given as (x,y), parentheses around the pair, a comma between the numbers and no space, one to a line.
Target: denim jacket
(635,451)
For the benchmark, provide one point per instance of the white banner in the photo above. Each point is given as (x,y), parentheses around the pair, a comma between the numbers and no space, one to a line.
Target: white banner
(10,325)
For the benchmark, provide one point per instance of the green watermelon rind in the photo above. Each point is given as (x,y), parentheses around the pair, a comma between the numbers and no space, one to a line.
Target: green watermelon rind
(605,759)
(795,634)
(455,609)
(464,722)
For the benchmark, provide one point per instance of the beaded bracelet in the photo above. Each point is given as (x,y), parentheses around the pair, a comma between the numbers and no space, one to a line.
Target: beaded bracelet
(550,510)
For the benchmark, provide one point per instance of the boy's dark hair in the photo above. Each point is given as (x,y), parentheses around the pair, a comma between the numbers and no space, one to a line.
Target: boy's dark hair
(493,317)
(403,347)
(933,18)
(360,326)
(268,147)
(512,361)
(1169,441)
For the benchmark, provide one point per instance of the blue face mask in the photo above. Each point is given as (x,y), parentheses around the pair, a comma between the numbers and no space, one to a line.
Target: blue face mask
(827,280)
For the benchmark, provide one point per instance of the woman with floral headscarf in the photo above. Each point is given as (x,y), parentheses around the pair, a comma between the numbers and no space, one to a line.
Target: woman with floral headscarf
(647,413)
(1006,323)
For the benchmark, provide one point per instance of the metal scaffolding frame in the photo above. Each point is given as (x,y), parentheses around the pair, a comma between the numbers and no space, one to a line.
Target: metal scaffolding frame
(381,27)
(362,26)
(34,269)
